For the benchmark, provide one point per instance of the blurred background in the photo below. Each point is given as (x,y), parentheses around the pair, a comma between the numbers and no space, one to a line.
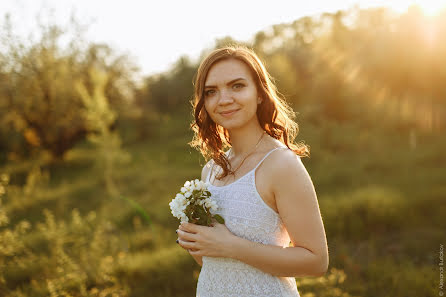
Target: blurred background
(94,126)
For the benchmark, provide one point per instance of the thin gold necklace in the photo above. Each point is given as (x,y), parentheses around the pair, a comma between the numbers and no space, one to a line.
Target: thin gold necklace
(257,144)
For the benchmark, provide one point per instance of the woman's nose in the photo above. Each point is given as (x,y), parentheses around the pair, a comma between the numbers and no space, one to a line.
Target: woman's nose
(225,97)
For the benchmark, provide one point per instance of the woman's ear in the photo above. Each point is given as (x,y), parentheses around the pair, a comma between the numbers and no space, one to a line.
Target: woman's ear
(259,100)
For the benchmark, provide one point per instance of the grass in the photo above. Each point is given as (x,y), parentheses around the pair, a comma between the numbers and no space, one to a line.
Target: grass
(382,203)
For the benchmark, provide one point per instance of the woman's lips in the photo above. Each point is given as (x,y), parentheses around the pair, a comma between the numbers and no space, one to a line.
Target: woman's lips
(228,114)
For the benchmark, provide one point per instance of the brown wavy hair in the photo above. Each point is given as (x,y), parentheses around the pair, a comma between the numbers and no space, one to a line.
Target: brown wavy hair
(274,114)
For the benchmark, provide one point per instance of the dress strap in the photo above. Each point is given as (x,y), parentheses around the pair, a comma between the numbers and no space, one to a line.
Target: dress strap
(267,154)
(212,163)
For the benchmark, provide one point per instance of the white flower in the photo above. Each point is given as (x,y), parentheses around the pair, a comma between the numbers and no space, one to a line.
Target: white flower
(214,207)
(202,185)
(179,204)
(211,204)
(184,218)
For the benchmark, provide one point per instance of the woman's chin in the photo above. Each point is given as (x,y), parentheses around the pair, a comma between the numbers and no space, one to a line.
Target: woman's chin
(232,127)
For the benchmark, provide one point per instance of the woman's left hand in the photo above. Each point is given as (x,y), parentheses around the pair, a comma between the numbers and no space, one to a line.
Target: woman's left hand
(215,241)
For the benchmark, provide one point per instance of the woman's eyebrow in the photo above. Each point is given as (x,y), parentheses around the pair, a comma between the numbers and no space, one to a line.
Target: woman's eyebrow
(232,81)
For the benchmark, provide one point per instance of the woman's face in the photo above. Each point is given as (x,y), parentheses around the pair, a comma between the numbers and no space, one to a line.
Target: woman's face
(229,86)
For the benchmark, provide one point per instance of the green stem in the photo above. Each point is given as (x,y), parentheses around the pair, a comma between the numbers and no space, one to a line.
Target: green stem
(139,209)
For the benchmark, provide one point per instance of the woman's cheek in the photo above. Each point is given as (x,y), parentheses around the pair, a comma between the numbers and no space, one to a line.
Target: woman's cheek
(207,108)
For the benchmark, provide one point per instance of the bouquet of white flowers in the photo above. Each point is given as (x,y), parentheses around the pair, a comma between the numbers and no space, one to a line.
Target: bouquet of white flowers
(194,204)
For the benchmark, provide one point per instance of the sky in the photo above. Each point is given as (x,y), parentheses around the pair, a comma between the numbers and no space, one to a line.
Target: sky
(156,33)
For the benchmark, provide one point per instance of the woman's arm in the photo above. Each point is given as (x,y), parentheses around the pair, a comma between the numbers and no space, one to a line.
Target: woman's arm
(299,210)
(198,259)
(279,261)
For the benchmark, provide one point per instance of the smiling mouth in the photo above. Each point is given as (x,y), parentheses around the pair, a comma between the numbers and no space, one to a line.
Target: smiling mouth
(228,113)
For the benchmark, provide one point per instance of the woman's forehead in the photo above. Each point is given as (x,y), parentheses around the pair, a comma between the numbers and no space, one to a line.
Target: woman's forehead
(226,71)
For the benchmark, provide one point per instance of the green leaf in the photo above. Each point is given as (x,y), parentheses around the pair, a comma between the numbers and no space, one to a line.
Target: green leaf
(138,208)
(200,211)
(219,219)
(202,221)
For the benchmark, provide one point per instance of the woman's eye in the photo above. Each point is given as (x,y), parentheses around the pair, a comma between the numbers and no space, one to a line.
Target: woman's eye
(238,86)
(209,92)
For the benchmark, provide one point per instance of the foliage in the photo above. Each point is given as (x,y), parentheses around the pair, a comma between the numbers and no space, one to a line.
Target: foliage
(39,106)
(168,91)
(324,286)
(58,258)
(99,118)
(374,214)
(356,65)
(364,93)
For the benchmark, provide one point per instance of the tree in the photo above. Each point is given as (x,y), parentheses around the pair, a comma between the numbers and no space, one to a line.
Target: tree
(38,102)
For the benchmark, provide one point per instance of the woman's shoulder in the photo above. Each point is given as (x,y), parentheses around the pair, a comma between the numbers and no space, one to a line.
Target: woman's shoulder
(284,168)
(282,158)
(280,150)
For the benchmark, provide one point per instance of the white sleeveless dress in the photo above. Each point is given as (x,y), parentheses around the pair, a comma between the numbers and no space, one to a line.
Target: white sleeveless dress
(248,216)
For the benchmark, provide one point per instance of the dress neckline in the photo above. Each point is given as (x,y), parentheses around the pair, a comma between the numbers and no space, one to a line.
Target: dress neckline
(233,181)
(246,174)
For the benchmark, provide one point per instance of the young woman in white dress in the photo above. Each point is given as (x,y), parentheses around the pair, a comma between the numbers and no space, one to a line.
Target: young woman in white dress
(273,228)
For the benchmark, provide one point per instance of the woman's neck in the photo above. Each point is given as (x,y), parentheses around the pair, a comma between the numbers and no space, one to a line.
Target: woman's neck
(243,142)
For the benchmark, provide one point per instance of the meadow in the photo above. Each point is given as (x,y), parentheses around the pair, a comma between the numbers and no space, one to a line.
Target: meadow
(90,159)
(382,203)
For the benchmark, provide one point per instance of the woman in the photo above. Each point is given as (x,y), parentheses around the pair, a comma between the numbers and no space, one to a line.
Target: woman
(263,190)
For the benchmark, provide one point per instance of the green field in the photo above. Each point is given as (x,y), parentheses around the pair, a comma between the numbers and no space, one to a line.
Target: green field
(382,203)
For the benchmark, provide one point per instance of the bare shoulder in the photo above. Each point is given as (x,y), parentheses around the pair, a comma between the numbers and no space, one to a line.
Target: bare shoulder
(283,157)
(286,165)
(297,204)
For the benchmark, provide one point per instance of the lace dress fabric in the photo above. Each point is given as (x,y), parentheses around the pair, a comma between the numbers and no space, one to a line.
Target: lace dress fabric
(248,216)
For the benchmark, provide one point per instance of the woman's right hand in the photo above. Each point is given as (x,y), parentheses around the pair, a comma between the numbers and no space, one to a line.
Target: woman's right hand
(198,259)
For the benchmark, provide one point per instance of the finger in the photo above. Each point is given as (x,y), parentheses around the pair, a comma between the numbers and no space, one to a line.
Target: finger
(195,252)
(186,236)
(184,230)
(182,246)
(186,244)
(189,227)
(184,227)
